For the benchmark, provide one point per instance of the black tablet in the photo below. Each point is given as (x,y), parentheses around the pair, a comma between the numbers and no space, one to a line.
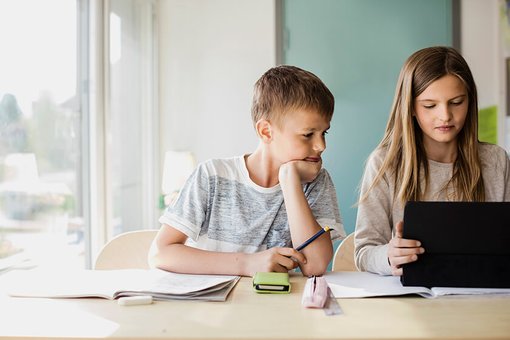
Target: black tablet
(467,244)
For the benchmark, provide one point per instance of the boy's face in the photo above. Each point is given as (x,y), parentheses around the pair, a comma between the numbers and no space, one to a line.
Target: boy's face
(301,136)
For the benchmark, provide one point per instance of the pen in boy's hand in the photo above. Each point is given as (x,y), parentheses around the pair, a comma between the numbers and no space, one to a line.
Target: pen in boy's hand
(311,239)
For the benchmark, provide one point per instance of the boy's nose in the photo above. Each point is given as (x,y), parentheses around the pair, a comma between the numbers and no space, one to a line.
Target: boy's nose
(319,145)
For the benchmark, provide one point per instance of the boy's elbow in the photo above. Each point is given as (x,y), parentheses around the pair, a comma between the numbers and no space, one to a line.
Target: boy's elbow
(156,258)
(153,257)
(317,269)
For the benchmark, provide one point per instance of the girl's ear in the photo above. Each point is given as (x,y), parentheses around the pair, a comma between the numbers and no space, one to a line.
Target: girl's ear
(264,130)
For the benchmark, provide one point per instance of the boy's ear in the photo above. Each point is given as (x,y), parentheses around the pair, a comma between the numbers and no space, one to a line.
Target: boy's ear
(264,130)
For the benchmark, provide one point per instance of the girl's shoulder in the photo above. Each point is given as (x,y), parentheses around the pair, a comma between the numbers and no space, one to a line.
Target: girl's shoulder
(492,156)
(376,157)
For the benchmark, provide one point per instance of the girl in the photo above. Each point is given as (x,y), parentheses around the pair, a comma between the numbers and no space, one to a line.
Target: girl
(430,152)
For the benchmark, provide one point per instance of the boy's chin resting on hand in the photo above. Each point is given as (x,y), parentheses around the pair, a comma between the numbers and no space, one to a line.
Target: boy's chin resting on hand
(306,170)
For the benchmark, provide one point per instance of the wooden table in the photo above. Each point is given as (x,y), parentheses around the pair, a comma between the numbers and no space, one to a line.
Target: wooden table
(247,315)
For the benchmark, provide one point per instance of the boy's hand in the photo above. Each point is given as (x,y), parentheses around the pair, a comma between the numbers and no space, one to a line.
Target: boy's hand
(274,260)
(401,250)
(305,170)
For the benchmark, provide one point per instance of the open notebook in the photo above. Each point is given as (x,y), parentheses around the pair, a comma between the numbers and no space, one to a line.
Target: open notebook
(113,284)
(364,284)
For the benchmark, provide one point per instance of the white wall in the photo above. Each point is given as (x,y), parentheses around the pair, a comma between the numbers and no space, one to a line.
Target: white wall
(211,54)
(479,43)
(481,47)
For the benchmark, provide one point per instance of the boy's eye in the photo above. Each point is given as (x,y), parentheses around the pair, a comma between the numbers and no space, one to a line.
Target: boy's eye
(325,133)
(308,135)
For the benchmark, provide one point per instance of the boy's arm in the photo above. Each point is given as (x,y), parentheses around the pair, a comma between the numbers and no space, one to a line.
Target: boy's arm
(302,222)
(168,252)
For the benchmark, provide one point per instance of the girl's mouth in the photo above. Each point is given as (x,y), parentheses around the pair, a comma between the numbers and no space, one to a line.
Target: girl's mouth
(444,128)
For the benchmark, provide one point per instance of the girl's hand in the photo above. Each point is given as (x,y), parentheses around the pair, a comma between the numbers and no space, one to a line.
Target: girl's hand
(401,250)
(274,260)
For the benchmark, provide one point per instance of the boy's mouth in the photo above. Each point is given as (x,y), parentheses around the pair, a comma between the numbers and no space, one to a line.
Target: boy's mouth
(313,159)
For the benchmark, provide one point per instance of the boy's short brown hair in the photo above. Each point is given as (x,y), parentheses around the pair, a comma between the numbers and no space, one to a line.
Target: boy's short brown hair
(284,88)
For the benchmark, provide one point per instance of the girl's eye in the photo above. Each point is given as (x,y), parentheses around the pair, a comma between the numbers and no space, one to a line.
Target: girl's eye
(457,103)
(429,106)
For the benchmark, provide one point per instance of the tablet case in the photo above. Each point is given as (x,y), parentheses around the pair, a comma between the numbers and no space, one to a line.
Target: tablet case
(275,283)
(467,244)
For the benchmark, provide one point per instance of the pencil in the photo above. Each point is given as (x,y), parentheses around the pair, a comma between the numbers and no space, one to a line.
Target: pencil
(311,239)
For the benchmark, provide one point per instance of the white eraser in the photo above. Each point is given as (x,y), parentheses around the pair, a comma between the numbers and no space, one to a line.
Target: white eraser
(135,300)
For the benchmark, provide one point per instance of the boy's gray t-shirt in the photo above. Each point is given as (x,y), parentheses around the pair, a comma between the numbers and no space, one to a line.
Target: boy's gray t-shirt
(221,209)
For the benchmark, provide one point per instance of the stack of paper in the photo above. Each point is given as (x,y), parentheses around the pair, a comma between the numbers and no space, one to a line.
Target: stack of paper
(112,284)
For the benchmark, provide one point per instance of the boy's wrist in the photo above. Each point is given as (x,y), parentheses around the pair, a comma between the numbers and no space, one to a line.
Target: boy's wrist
(242,264)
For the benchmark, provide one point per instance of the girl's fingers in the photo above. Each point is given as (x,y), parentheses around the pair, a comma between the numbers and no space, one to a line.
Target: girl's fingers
(405,243)
(399,229)
(402,251)
(398,261)
(406,251)
(397,271)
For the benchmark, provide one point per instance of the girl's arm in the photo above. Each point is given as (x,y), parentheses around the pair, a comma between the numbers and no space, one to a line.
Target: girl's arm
(377,250)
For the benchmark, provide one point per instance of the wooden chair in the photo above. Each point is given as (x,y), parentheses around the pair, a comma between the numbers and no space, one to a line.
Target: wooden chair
(126,251)
(343,260)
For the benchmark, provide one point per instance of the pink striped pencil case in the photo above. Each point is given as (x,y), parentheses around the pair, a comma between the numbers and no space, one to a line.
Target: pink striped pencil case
(315,293)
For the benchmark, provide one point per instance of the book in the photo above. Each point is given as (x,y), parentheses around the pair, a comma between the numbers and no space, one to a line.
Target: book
(113,284)
(364,284)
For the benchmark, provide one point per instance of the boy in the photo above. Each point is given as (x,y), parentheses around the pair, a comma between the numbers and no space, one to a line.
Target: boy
(243,215)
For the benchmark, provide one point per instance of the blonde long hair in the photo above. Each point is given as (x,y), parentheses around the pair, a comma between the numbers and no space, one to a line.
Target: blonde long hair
(403,138)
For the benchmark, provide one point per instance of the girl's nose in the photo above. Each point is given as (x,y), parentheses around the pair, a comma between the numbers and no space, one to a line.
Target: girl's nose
(444,113)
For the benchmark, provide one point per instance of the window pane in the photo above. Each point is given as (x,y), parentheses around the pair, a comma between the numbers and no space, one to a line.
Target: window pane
(40,191)
(132,131)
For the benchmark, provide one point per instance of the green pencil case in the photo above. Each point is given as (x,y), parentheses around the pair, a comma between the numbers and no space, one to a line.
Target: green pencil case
(272,283)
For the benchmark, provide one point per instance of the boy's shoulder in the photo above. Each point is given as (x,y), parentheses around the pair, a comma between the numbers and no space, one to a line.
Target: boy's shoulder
(230,167)
(218,162)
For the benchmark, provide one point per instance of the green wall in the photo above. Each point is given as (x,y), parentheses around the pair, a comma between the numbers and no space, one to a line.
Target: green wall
(357,48)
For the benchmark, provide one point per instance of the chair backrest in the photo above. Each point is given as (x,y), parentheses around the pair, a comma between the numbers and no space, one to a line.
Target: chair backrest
(344,255)
(126,251)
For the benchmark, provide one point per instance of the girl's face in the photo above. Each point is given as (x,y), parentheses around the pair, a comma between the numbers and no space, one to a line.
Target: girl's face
(301,137)
(441,111)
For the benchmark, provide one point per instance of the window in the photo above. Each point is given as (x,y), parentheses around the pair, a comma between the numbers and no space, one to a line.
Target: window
(41,217)
(131,118)
(78,128)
